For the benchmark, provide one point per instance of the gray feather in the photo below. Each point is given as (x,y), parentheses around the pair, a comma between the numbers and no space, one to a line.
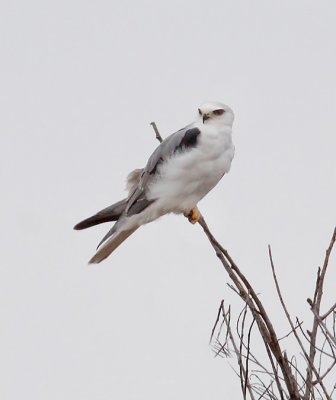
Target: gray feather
(108,235)
(111,245)
(139,206)
(108,214)
(133,179)
(164,151)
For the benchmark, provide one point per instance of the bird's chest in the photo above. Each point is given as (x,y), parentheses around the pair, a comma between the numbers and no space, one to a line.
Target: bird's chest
(211,158)
(189,175)
(199,169)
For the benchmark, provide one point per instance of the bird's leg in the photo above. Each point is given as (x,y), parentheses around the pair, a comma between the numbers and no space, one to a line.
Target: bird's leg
(193,215)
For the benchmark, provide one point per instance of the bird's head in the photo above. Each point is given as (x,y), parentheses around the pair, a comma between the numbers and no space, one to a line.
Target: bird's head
(216,113)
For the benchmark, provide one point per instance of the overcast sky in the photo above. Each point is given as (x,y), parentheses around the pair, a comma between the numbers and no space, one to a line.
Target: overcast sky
(80,82)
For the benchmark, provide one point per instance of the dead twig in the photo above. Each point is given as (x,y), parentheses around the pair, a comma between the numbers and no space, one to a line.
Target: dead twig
(331,309)
(316,304)
(157,133)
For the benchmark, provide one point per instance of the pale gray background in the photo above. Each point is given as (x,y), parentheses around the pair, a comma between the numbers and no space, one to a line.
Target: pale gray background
(80,82)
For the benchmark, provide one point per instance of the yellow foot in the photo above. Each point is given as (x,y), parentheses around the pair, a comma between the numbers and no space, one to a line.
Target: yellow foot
(194,215)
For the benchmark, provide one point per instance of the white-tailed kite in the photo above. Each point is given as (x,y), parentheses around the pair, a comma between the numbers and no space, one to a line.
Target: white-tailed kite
(179,173)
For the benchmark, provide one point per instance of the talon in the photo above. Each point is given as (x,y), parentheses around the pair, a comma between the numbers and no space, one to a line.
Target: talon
(194,215)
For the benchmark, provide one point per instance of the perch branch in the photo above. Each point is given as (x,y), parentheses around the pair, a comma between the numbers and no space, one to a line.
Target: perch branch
(316,304)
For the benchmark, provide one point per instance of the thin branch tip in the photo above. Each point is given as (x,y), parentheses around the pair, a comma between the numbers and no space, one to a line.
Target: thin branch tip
(157,133)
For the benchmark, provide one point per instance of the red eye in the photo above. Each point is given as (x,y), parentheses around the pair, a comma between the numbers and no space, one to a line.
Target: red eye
(219,112)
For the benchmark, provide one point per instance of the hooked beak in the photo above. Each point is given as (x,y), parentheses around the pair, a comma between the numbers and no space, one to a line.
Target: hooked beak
(205,117)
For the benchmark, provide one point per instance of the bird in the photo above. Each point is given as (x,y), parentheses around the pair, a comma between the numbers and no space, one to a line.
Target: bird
(179,173)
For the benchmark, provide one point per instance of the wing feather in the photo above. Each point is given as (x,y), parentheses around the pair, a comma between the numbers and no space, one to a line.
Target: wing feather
(182,139)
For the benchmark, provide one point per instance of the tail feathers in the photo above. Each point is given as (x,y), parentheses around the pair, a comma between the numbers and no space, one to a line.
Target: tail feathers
(108,214)
(110,245)
(109,234)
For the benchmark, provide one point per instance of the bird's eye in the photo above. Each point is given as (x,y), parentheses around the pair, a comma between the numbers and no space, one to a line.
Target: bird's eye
(219,112)
(199,112)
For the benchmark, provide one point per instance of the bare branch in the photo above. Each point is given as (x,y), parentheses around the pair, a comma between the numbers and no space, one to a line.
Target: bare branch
(326,373)
(322,323)
(157,133)
(216,322)
(311,366)
(248,353)
(332,309)
(316,304)
(298,324)
(238,355)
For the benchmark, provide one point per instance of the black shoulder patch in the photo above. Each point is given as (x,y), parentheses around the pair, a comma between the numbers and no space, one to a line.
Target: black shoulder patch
(189,139)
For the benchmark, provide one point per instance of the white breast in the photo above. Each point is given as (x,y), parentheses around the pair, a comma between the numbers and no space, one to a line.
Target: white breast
(188,176)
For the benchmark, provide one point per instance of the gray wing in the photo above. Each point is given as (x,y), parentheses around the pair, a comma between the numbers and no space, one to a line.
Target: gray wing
(111,213)
(183,139)
(139,179)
